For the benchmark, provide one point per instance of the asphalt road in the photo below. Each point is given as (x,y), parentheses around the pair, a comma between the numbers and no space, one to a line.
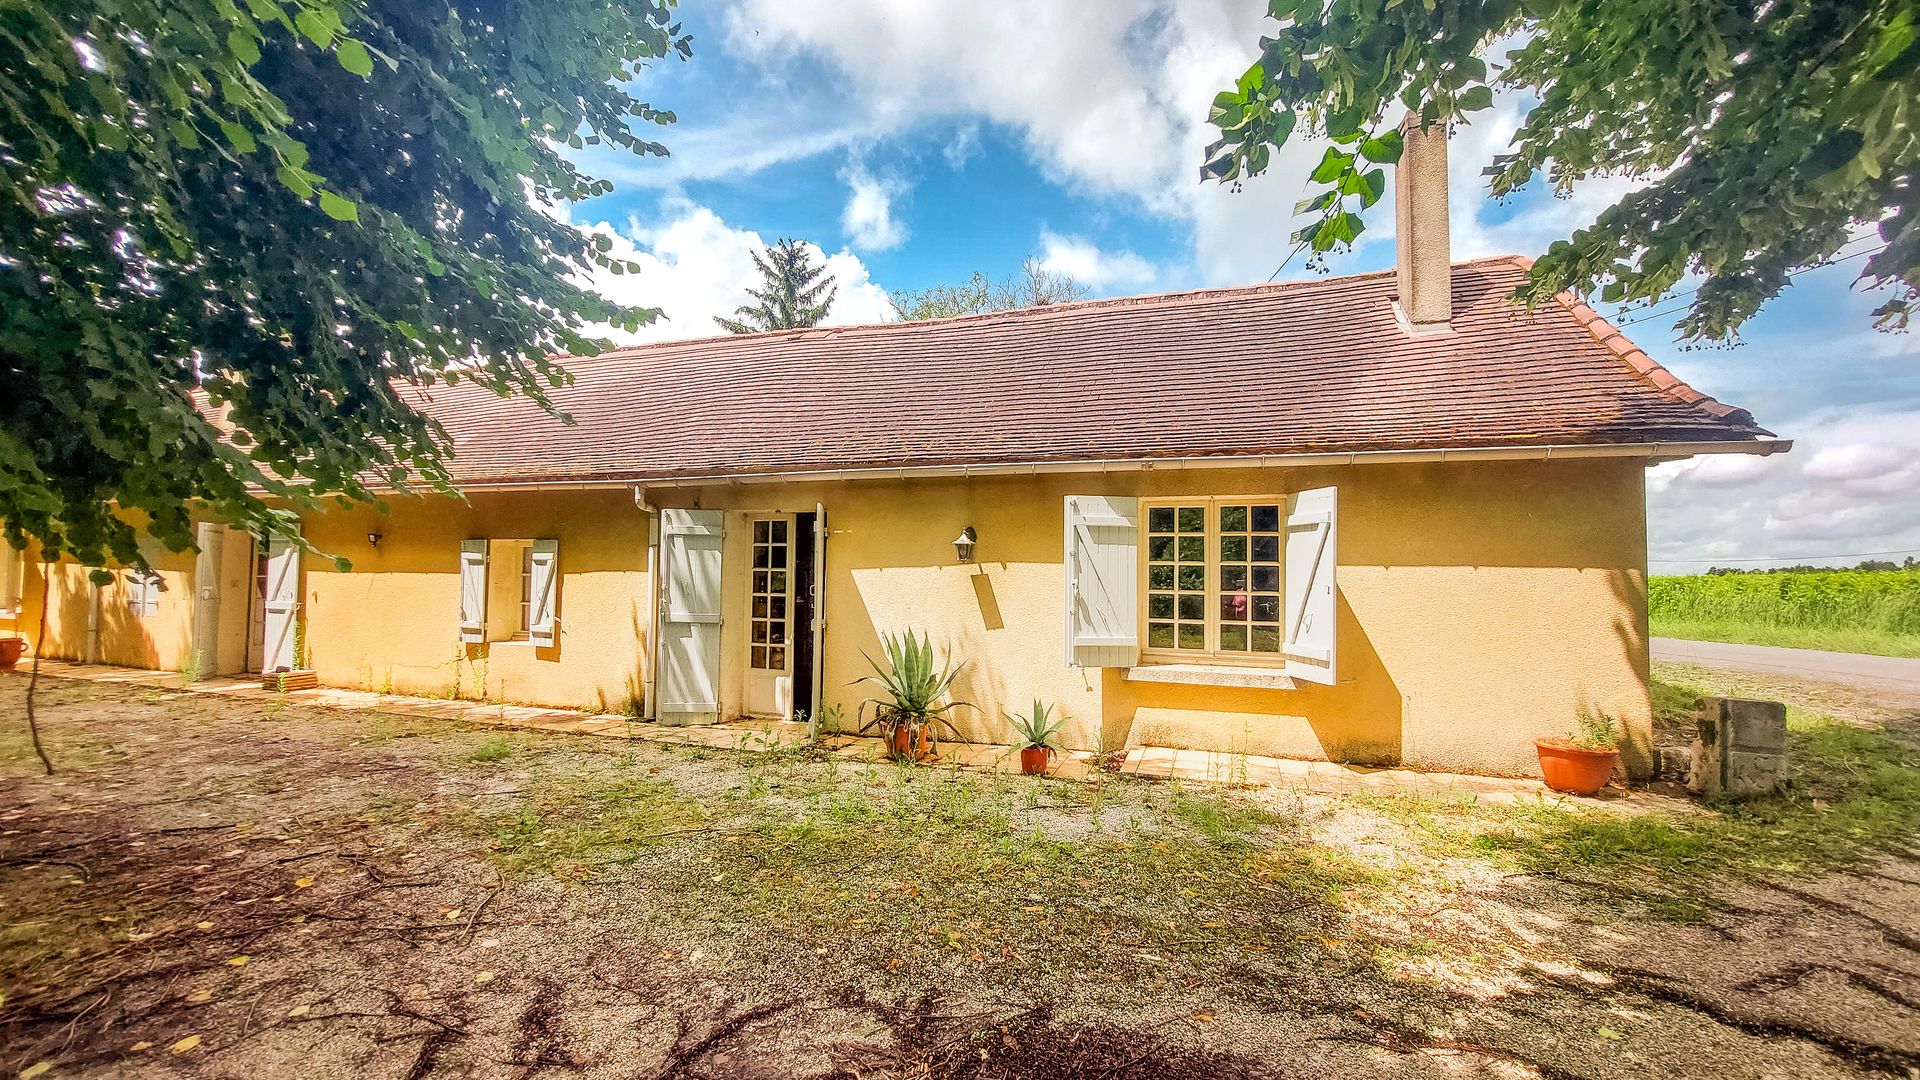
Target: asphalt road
(1854,669)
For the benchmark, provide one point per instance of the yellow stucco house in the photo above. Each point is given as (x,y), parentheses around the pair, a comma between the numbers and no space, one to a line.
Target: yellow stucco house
(1281,519)
(1390,518)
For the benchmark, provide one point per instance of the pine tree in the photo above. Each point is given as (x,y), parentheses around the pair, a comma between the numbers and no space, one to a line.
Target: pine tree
(793,295)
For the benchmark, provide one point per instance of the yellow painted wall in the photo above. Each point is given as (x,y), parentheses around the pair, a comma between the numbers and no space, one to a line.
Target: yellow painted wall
(160,640)
(392,622)
(1480,605)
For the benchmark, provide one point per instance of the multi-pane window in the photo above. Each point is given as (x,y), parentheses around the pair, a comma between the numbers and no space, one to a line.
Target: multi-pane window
(772,594)
(526,591)
(1213,577)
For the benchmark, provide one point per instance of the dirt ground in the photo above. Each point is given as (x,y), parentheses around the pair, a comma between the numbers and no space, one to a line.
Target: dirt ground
(211,888)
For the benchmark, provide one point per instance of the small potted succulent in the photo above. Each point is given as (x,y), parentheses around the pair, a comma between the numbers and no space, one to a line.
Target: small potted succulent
(1036,730)
(1581,762)
(908,708)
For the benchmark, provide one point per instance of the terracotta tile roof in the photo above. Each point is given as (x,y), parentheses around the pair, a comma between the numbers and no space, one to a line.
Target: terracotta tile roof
(1293,368)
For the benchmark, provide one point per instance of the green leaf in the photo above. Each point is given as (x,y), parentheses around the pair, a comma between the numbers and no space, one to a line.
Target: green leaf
(109,135)
(244,49)
(296,181)
(1383,149)
(1344,125)
(313,28)
(338,208)
(1475,99)
(238,137)
(1332,165)
(355,58)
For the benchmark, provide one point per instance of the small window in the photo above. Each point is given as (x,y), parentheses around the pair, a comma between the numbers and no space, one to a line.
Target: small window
(1213,577)
(509,589)
(143,592)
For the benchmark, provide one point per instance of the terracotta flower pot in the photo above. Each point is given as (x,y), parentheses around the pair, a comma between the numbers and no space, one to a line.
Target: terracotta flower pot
(911,743)
(1033,759)
(1574,769)
(10,650)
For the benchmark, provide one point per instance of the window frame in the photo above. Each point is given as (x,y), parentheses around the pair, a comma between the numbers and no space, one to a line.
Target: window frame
(13,581)
(787,621)
(1211,654)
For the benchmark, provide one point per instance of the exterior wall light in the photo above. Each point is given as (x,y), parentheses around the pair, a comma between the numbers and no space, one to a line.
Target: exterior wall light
(963,544)
(373,539)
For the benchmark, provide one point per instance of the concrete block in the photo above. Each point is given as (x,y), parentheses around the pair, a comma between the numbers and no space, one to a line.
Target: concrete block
(1742,749)
(1675,764)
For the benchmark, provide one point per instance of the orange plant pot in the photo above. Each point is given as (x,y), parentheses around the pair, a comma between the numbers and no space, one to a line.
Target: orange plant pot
(1033,759)
(1574,769)
(11,649)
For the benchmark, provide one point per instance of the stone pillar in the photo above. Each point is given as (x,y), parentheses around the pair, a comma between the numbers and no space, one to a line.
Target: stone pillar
(1742,749)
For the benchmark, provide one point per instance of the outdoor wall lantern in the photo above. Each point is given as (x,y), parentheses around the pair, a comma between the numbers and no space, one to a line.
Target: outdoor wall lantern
(373,539)
(963,544)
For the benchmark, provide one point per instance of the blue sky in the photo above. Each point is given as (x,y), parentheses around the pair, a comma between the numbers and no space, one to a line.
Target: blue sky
(917,142)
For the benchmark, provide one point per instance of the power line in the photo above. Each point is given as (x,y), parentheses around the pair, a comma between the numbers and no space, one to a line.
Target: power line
(1795,558)
(1790,276)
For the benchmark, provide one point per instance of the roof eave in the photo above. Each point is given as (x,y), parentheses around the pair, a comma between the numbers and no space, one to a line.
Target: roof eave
(1651,452)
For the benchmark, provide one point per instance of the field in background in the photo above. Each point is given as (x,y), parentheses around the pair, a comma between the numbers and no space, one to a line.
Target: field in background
(1859,611)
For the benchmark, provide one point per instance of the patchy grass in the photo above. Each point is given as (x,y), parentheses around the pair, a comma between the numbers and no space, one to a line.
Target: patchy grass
(499,748)
(580,829)
(1853,794)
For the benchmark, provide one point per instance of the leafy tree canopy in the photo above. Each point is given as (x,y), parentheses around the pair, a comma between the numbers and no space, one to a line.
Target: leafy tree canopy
(306,213)
(792,293)
(1033,286)
(1767,132)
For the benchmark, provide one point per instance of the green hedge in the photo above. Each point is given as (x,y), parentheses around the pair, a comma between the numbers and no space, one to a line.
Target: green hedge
(1880,600)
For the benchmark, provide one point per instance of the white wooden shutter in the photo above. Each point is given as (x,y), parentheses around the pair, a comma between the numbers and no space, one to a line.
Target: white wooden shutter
(473,590)
(282,604)
(689,658)
(1312,547)
(143,593)
(1103,587)
(543,603)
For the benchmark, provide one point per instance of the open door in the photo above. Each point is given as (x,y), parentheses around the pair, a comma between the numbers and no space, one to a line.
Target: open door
(689,660)
(809,625)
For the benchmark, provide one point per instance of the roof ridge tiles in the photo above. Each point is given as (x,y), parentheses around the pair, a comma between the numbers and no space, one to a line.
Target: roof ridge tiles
(1033,313)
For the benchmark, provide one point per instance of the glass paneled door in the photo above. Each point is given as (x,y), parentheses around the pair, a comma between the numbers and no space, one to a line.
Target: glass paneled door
(770,618)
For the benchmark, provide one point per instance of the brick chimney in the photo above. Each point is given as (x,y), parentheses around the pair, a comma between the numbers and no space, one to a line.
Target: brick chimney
(1425,262)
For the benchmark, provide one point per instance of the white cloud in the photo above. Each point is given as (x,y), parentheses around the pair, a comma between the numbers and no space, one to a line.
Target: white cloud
(694,266)
(1086,263)
(963,147)
(1843,492)
(868,218)
(1111,100)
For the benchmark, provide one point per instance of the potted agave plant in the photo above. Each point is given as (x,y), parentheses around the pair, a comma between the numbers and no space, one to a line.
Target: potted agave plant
(1036,730)
(908,707)
(1581,762)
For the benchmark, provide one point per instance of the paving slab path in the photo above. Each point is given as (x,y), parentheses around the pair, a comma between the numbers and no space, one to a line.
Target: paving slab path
(1856,669)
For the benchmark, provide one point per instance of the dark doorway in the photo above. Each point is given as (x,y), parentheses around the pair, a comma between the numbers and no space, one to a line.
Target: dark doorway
(806,601)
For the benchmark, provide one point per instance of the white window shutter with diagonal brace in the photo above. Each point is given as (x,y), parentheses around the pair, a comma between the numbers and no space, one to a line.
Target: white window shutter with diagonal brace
(1103,566)
(473,590)
(1312,558)
(543,615)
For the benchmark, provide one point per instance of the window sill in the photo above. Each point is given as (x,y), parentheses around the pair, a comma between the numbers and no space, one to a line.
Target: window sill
(1250,678)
